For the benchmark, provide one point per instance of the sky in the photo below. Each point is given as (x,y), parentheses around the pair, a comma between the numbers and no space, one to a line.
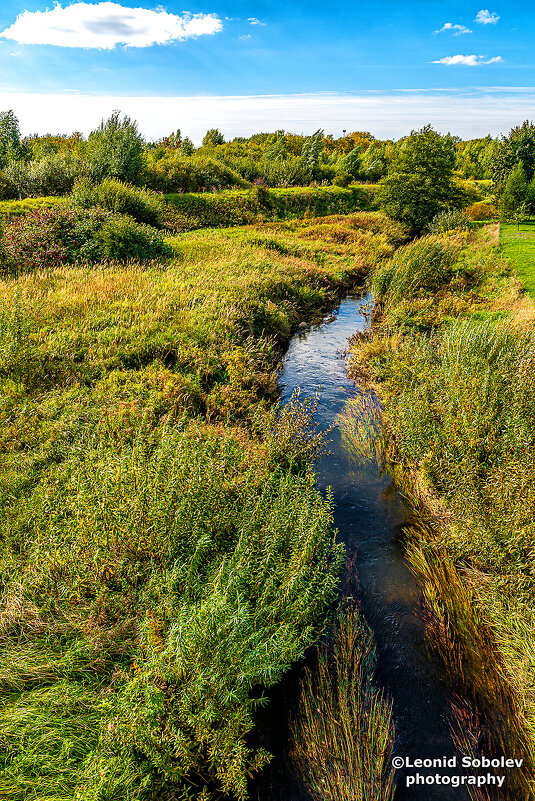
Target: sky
(380,66)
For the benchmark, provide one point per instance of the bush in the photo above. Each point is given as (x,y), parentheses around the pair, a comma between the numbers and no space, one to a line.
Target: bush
(49,239)
(449,220)
(120,198)
(120,239)
(173,172)
(482,211)
(189,211)
(423,266)
(342,179)
(53,175)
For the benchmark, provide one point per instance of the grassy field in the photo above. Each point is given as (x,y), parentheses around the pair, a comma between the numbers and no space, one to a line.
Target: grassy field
(452,356)
(519,248)
(165,555)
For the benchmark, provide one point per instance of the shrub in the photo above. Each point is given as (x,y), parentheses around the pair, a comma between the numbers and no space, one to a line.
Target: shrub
(482,211)
(48,239)
(174,172)
(342,179)
(449,220)
(54,174)
(188,211)
(120,198)
(120,239)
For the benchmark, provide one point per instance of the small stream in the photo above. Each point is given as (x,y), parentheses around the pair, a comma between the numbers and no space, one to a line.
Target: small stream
(369,514)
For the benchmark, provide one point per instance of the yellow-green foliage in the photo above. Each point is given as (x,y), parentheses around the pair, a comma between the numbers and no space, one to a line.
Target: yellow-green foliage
(13,208)
(343,732)
(188,211)
(165,553)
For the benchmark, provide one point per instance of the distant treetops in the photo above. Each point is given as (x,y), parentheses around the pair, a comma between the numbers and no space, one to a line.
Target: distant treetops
(420,175)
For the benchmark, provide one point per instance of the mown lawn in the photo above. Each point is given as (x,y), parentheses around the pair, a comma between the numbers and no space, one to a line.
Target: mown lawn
(519,247)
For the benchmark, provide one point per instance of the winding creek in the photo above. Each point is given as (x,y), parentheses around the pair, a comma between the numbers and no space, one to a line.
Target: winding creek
(369,514)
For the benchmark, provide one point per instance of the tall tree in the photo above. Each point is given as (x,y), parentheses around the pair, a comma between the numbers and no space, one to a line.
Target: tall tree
(419,183)
(10,144)
(513,202)
(115,148)
(518,145)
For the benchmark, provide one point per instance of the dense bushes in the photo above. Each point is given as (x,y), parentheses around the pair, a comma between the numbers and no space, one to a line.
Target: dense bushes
(169,171)
(120,198)
(188,211)
(54,174)
(48,239)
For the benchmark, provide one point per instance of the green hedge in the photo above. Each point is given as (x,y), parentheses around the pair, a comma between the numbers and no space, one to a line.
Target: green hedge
(13,208)
(187,211)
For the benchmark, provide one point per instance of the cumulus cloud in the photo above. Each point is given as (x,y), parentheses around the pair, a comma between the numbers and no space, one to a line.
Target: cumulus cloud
(457,29)
(255,21)
(485,17)
(468,61)
(105,25)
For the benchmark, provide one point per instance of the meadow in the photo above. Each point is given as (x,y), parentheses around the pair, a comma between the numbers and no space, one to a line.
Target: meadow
(518,243)
(165,555)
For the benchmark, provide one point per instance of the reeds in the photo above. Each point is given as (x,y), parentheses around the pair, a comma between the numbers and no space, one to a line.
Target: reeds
(343,733)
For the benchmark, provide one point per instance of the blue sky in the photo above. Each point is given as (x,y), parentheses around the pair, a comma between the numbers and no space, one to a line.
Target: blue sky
(379,65)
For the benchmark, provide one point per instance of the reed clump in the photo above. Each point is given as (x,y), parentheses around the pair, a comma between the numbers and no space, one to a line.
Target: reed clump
(343,732)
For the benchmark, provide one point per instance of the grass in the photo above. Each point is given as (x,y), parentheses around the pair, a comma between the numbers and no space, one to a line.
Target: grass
(165,553)
(452,358)
(519,248)
(343,733)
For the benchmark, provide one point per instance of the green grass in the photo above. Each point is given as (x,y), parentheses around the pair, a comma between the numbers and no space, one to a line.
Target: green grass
(343,733)
(519,247)
(457,380)
(165,554)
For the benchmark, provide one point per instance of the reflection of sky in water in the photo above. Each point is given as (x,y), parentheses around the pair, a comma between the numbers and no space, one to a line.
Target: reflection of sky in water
(369,514)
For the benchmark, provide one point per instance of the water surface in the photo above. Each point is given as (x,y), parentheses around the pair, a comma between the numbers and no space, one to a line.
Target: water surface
(369,514)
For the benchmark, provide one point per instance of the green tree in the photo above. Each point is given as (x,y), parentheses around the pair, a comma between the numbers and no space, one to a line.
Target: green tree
(10,145)
(213,138)
(513,202)
(420,181)
(114,150)
(530,198)
(351,163)
(311,152)
(519,145)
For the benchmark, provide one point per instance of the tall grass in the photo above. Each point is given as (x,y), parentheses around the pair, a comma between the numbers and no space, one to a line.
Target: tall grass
(343,732)
(459,416)
(165,555)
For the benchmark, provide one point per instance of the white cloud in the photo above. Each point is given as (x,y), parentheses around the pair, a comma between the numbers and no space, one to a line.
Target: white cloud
(457,29)
(104,25)
(255,21)
(245,37)
(468,61)
(485,17)
(468,113)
